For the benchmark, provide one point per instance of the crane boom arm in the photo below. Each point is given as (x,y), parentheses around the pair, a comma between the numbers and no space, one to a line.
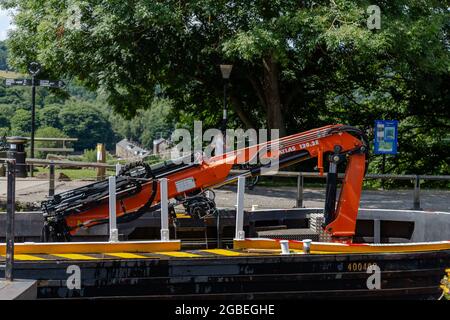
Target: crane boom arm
(88,206)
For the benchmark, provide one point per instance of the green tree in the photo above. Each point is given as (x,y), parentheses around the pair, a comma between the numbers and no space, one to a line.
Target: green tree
(21,122)
(6,113)
(48,132)
(4,132)
(86,122)
(49,116)
(287,54)
(147,125)
(297,64)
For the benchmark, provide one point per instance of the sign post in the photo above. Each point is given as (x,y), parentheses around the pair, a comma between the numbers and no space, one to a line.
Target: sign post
(34,68)
(385,140)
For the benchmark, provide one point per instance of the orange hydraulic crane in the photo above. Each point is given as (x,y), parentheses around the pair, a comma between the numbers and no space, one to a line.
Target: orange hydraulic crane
(138,191)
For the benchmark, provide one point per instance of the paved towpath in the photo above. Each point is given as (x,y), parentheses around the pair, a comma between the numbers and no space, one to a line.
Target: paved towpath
(33,190)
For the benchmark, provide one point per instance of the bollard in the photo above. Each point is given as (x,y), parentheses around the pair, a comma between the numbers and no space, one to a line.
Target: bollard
(307,246)
(113,232)
(101,158)
(300,183)
(164,209)
(240,233)
(51,180)
(285,247)
(10,211)
(17,152)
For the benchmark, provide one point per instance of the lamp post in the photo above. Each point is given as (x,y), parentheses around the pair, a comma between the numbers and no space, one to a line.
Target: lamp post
(225,69)
(33,68)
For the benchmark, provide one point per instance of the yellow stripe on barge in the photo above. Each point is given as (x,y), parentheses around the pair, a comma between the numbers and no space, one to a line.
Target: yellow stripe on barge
(171,249)
(92,247)
(340,248)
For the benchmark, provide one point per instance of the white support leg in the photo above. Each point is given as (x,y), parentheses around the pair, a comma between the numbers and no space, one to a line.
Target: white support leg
(113,232)
(240,234)
(164,209)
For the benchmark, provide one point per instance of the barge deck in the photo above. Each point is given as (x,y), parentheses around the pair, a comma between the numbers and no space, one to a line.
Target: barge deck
(255,269)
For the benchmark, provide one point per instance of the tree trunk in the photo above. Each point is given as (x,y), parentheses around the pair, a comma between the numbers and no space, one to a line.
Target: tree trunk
(275,118)
(237,107)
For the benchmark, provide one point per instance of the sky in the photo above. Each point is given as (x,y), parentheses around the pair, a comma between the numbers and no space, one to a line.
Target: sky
(5,21)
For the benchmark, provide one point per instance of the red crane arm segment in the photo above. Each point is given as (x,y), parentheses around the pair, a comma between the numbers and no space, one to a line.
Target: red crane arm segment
(334,139)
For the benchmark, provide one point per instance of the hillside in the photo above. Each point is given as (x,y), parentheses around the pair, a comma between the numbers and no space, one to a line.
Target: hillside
(10,74)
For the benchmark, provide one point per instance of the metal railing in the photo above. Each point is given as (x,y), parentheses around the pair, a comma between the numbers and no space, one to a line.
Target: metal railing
(80,164)
(415,179)
(64,147)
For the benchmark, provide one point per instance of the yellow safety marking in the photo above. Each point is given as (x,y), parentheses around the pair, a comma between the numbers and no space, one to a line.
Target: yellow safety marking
(324,252)
(179,254)
(93,247)
(127,255)
(73,256)
(315,251)
(183,216)
(336,248)
(26,257)
(224,252)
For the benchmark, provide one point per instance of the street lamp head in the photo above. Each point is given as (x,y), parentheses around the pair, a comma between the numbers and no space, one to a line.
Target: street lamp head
(34,68)
(226,70)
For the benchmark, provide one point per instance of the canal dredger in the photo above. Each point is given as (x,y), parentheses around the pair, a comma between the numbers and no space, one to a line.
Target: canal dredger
(263,260)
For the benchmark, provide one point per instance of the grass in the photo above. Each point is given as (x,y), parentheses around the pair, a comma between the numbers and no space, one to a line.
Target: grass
(75,174)
(10,74)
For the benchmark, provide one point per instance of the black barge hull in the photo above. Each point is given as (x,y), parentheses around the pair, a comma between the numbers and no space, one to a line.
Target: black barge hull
(316,276)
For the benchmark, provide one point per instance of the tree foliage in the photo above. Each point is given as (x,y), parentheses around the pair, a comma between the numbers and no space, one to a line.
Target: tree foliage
(147,125)
(86,122)
(48,116)
(86,116)
(297,64)
(21,123)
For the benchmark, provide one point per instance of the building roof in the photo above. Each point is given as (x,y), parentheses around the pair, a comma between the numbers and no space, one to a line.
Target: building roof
(124,143)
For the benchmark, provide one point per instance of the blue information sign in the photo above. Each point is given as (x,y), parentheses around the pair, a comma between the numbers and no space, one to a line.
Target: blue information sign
(386,136)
